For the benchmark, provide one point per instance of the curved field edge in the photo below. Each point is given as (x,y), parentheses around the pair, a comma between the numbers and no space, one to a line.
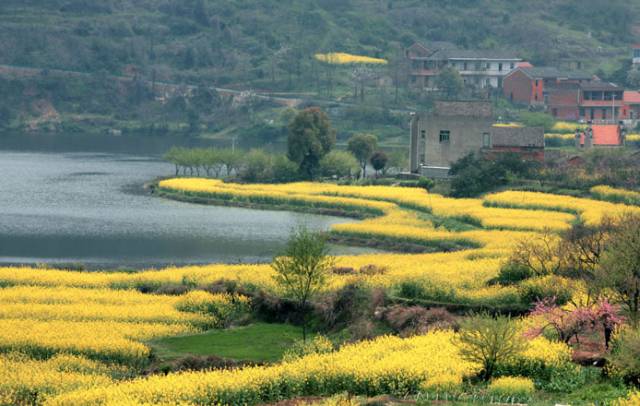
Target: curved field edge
(355,211)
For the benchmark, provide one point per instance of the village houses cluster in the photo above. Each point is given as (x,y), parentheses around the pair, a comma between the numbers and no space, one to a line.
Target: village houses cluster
(453,129)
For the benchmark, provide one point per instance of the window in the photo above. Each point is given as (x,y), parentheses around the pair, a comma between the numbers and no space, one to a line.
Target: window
(537,82)
(488,66)
(423,134)
(464,66)
(478,66)
(604,114)
(486,140)
(445,135)
(581,114)
(512,66)
(500,67)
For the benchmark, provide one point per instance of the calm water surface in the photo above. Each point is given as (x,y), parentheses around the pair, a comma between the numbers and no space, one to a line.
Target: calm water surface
(58,204)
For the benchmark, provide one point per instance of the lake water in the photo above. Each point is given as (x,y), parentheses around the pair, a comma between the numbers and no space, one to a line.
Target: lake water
(59,204)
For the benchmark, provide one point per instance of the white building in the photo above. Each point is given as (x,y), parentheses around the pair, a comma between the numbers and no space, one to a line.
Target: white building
(478,68)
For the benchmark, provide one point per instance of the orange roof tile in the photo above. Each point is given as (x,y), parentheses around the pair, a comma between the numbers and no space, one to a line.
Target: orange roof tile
(604,134)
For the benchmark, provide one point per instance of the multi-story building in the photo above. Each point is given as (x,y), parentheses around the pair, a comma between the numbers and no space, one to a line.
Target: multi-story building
(530,86)
(455,129)
(566,95)
(478,68)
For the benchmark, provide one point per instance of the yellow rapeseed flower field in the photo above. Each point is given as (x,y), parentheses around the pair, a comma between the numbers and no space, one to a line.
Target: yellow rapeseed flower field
(609,193)
(384,365)
(76,334)
(342,58)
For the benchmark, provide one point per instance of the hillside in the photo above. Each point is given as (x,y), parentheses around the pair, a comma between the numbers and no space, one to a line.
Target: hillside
(269,46)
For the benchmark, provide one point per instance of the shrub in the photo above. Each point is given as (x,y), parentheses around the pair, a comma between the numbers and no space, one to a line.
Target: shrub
(284,170)
(347,305)
(546,287)
(624,359)
(488,341)
(318,345)
(567,378)
(225,308)
(511,386)
(425,183)
(511,274)
(418,320)
(425,290)
(443,383)
(339,164)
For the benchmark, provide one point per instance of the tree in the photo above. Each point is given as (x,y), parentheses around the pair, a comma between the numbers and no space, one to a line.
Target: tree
(339,164)
(311,137)
(619,271)
(537,119)
(231,160)
(194,121)
(302,268)
(257,166)
(174,156)
(5,116)
(540,256)
(474,175)
(362,147)
(449,82)
(488,341)
(379,161)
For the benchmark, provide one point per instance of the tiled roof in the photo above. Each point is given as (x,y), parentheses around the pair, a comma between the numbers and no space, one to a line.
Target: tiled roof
(482,54)
(550,72)
(600,86)
(463,108)
(517,137)
(604,135)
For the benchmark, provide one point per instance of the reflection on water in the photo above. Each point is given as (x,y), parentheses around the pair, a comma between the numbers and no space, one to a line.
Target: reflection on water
(89,207)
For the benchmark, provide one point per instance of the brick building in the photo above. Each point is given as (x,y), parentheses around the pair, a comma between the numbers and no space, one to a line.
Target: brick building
(631,105)
(454,129)
(478,68)
(530,86)
(566,95)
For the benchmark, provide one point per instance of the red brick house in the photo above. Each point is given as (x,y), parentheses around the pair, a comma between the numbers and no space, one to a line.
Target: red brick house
(598,101)
(530,86)
(527,142)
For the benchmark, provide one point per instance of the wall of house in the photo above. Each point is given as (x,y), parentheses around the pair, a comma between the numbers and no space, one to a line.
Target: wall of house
(600,113)
(529,153)
(465,136)
(518,88)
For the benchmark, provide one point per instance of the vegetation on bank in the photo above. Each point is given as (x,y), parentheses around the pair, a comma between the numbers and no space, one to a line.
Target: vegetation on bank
(359,297)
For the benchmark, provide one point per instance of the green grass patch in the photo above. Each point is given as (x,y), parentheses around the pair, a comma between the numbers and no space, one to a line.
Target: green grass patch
(258,342)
